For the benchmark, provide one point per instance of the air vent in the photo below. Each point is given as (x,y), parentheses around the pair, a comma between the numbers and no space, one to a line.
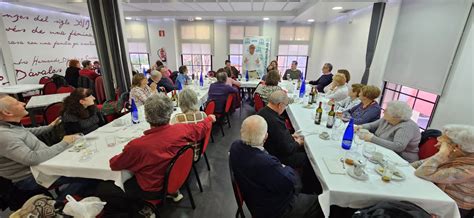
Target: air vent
(346,11)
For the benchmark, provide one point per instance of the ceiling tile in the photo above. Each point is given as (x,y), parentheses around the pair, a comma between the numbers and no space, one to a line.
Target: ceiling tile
(258,6)
(210,6)
(226,6)
(242,6)
(274,6)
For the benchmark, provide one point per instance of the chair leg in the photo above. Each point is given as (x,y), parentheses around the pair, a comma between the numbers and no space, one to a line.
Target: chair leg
(228,120)
(197,177)
(207,161)
(190,195)
(222,128)
(212,137)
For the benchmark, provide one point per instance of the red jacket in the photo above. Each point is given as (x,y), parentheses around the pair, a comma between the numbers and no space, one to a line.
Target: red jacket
(88,73)
(149,156)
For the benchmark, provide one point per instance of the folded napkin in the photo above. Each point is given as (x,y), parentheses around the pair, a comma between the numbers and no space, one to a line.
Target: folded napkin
(334,166)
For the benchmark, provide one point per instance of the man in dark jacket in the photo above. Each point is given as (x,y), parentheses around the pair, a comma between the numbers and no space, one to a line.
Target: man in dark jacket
(324,79)
(268,187)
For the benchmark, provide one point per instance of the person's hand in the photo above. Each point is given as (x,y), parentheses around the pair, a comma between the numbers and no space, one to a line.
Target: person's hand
(446,148)
(367,136)
(213,118)
(153,86)
(339,115)
(357,128)
(69,138)
(55,122)
(300,140)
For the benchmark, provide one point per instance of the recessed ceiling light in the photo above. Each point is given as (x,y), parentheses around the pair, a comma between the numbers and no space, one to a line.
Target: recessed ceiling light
(266,18)
(310,20)
(337,8)
(128,18)
(198,18)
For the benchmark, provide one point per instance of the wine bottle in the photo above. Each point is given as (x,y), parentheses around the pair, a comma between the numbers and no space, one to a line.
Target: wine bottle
(348,135)
(331,118)
(134,112)
(315,93)
(319,114)
(310,98)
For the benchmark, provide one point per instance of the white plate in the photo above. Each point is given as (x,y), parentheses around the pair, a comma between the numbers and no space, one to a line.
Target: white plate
(350,172)
(397,175)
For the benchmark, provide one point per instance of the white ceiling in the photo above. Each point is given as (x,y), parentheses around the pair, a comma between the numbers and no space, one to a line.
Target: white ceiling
(281,10)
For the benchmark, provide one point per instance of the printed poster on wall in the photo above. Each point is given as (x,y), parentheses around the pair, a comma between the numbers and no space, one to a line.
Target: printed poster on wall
(42,41)
(260,59)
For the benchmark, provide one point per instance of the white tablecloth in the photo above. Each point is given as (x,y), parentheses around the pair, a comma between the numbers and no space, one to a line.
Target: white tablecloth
(20,88)
(45,100)
(345,191)
(253,83)
(68,163)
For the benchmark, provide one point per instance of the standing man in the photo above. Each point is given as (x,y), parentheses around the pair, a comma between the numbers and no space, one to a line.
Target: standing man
(252,62)
(324,79)
(292,73)
(231,71)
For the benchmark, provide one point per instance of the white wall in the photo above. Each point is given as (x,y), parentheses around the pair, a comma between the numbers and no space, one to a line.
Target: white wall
(314,60)
(456,104)
(270,29)
(221,47)
(169,42)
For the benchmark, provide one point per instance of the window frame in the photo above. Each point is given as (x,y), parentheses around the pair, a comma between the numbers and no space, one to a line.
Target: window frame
(139,53)
(415,97)
(201,66)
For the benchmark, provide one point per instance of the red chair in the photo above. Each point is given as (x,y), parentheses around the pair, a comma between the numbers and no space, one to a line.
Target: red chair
(49,88)
(203,146)
(99,90)
(65,89)
(237,194)
(52,112)
(225,116)
(210,109)
(428,149)
(44,80)
(259,104)
(176,176)
(26,121)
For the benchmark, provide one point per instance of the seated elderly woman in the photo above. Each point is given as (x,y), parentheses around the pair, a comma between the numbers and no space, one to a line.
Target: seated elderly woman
(79,112)
(452,168)
(395,131)
(368,110)
(350,101)
(188,103)
(337,90)
(271,85)
(140,90)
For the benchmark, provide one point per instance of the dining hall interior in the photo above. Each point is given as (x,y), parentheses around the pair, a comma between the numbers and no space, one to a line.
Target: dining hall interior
(237,108)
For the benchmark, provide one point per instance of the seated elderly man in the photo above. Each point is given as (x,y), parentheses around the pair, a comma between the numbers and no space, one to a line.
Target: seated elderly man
(452,168)
(219,91)
(395,131)
(165,80)
(20,148)
(268,187)
(280,143)
(149,156)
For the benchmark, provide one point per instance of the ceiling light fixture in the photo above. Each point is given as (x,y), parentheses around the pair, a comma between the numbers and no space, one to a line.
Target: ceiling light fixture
(198,18)
(128,18)
(337,8)
(266,18)
(310,20)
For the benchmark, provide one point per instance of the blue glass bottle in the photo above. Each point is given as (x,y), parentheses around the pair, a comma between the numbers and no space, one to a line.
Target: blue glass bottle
(348,135)
(201,80)
(247,75)
(303,88)
(134,113)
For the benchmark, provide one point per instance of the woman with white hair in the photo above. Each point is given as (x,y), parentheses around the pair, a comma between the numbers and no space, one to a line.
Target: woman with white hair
(452,168)
(395,131)
(188,103)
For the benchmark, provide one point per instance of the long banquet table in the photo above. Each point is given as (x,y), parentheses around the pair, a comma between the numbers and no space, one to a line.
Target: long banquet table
(345,191)
(69,163)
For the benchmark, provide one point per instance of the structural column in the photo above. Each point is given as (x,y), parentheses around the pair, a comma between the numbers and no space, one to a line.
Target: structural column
(107,22)
(375,25)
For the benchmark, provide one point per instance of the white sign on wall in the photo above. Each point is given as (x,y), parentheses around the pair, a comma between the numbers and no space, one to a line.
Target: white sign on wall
(42,41)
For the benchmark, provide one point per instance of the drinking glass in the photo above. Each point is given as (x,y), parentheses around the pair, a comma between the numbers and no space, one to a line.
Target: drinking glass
(368,150)
(358,141)
(80,142)
(111,141)
(387,174)
(336,134)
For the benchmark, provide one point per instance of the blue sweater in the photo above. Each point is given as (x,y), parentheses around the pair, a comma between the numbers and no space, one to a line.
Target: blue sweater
(322,82)
(267,186)
(367,115)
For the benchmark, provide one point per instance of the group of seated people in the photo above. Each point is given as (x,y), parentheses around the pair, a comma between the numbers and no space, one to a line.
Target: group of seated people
(269,162)
(89,70)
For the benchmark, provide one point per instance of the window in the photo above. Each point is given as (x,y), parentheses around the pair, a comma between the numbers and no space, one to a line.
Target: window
(139,56)
(290,53)
(422,103)
(196,32)
(197,57)
(291,33)
(236,36)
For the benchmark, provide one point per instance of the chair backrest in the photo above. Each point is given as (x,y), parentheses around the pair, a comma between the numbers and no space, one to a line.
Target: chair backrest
(85,82)
(52,112)
(179,169)
(99,89)
(206,140)
(259,104)
(44,80)
(65,89)
(49,88)
(210,107)
(427,143)
(228,103)
(237,193)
